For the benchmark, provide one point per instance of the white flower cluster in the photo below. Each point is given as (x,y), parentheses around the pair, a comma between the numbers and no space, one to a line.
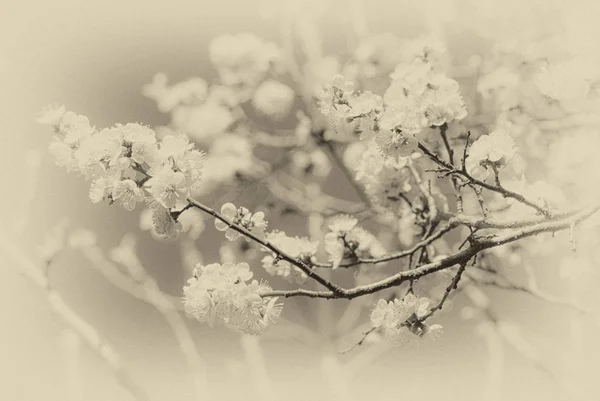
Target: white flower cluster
(338,100)
(398,318)
(126,163)
(419,97)
(255,223)
(346,240)
(489,152)
(296,247)
(384,179)
(243,59)
(223,294)
(395,144)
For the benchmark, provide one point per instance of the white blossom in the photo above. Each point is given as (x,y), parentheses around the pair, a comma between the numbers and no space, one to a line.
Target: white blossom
(488,152)
(255,223)
(274,99)
(222,294)
(418,98)
(347,240)
(243,59)
(398,318)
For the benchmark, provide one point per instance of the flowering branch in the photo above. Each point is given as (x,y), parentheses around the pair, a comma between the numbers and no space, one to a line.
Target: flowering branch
(478,244)
(304,266)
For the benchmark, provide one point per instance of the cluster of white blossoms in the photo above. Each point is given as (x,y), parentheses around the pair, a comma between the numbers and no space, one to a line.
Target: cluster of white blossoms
(224,294)
(240,216)
(346,240)
(420,97)
(338,100)
(244,59)
(395,144)
(490,152)
(126,163)
(398,318)
(297,247)
(385,179)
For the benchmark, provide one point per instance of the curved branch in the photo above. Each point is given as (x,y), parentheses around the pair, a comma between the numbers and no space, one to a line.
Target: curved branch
(302,265)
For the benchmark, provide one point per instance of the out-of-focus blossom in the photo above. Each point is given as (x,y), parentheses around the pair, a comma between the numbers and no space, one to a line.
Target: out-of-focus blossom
(273,99)
(377,54)
(314,163)
(203,123)
(190,92)
(243,59)
(572,81)
(319,72)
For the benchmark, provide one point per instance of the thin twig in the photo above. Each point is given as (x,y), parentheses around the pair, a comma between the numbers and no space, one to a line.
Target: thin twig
(453,286)
(469,179)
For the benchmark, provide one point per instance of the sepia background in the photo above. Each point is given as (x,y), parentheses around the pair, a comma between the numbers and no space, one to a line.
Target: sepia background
(94,57)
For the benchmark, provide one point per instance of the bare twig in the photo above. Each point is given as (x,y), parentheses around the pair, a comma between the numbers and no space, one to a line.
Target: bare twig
(469,179)
(453,286)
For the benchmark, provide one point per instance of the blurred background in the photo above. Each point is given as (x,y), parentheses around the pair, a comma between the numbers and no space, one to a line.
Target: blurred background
(94,57)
